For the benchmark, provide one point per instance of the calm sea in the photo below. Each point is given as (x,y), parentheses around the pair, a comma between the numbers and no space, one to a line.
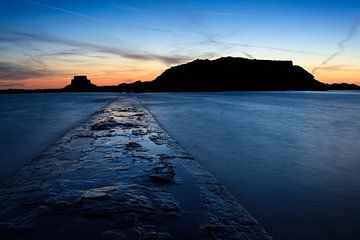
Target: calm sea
(291,158)
(31,122)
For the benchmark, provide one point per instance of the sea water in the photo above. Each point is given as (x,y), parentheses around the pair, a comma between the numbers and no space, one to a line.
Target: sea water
(291,158)
(31,122)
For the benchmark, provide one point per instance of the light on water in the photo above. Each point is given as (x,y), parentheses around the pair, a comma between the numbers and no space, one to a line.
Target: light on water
(30,122)
(291,158)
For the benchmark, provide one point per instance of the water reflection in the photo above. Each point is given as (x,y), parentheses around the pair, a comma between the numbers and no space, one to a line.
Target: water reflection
(291,158)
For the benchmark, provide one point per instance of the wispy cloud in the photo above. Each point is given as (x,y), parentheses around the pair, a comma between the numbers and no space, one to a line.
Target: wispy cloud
(34,59)
(216,13)
(100,20)
(341,45)
(11,37)
(64,53)
(11,84)
(211,39)
(151,29)
(246,45)
(13,71)
(185,11)
(341,67)
(78,14)
(128,8)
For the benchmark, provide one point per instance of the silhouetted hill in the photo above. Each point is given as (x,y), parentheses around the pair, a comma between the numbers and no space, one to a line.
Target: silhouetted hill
(342,86)
(223,74)
(232,74)
(80,83)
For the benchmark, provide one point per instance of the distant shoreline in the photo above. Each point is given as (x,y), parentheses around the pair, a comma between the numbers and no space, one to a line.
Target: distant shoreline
(219,75)
(101,90)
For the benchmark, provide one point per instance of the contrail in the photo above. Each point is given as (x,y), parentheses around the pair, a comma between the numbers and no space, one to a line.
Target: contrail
(341,45)
(247,54)
(35,59)
(66,11)
(225,14)
(212,40)
(93,18)
(275,48)
(125,53)
(135,9)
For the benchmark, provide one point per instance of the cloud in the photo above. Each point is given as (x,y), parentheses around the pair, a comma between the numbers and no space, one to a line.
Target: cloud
(129,8)
(13,71)
(64,53)
(224,14)
(34,59)
(9,85)
(341,45)
(151,29)
(212,40)
(16,37)
(66,11)
(125,7)
(78,14)
(341,67)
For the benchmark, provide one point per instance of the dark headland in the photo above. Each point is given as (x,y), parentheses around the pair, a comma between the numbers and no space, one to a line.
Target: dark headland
(231,74)
(80,83)
(222,74)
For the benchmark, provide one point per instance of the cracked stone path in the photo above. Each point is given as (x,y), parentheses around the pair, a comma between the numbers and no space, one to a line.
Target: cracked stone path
(120,176)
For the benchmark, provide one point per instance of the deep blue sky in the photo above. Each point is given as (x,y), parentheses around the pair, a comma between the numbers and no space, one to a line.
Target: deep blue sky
(43,43)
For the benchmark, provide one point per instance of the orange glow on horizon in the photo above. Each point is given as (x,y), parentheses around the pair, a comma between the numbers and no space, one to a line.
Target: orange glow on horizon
(338,76)
(105,73)
(60,82)
(111,75)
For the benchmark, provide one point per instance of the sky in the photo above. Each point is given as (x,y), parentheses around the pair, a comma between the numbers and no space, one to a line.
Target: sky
(44,43)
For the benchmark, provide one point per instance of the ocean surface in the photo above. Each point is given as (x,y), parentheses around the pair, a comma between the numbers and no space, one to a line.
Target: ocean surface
(291,158)
(31,122)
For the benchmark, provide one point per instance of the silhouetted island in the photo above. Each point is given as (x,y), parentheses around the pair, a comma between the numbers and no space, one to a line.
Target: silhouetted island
(234,74)
(222,74)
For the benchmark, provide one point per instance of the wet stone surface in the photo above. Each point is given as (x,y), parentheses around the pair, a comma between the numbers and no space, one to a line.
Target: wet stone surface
(120,176)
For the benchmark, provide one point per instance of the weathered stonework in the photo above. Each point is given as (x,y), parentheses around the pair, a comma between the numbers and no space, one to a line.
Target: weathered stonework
(120,176)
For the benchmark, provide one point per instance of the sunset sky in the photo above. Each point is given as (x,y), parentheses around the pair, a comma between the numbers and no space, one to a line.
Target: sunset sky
(43,43)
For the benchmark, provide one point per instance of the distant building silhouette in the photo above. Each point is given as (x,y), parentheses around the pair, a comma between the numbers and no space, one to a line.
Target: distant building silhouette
(80,83)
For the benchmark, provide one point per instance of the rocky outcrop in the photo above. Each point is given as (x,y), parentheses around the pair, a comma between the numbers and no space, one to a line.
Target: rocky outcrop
(223,74)
(80,83)
(231,74)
